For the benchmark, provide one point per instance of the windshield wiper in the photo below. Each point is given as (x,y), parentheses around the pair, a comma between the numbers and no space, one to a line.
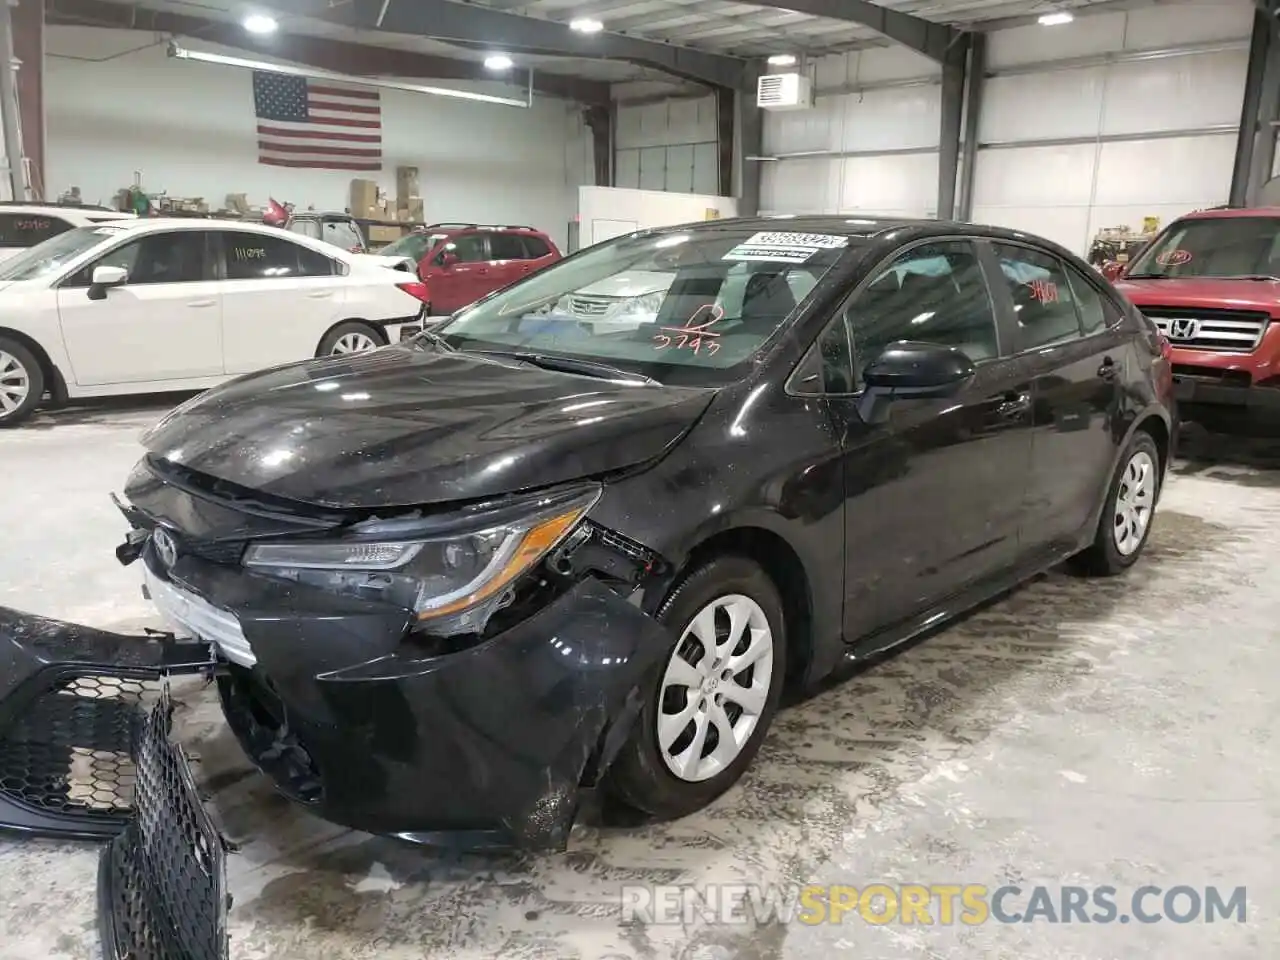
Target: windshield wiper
(434,339)
(587,368)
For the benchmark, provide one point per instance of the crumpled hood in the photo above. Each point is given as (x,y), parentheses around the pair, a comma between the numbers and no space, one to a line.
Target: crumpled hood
(1205,292)
(402,427)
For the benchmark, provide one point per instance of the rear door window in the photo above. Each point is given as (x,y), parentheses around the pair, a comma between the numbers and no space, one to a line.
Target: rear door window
(1043,299)
(22,230)
(506,246)
(260,256)
(535,248)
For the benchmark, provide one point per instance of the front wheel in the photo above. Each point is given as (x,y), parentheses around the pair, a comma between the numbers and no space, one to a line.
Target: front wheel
(1127,515)
(711,699)
(351,336)
(21,382)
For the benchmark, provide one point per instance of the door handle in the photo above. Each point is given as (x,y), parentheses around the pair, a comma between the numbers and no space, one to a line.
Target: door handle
(211,302)
(320,294)
(1108,370)
(1014,406)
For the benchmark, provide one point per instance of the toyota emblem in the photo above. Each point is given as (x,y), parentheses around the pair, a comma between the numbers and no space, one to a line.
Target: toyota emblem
(166,549)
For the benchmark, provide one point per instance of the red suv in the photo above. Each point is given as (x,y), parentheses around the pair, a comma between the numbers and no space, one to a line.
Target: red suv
(1211,283)
(462,262)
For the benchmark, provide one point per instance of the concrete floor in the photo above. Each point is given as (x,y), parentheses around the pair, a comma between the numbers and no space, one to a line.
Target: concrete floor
(1077,732)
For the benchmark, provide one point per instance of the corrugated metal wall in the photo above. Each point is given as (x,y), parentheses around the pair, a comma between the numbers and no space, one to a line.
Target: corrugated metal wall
(1096,123)
(669,145)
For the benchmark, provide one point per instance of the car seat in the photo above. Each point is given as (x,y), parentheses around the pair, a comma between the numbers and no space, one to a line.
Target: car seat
(766,302)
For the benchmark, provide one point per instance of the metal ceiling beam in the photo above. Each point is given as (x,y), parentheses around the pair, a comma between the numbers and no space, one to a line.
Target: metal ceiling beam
(493,29)
(337,55)
(934,40)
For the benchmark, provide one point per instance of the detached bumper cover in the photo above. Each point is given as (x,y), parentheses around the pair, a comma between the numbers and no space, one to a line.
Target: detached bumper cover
(82,758)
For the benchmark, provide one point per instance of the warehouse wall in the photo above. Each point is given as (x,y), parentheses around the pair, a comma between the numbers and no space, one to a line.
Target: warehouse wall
(189,127)
(876,120)
(1159,133)
(668,145)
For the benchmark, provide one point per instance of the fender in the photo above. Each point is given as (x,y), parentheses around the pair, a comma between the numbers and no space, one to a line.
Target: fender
(1152,409)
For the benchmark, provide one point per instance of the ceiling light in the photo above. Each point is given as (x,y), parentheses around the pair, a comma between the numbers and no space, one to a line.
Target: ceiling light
(782,60)
(1057,18)
(498,61)
(586,25)
(259,23)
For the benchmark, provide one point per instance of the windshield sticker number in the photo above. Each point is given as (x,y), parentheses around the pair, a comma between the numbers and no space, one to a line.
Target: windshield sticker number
(693,335)
(785,247)
(1174,258)
(1045,291)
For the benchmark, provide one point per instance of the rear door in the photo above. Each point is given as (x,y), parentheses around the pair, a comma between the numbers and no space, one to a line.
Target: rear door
(537,252)
(1068,341)
(508,258)
(279,299)
(163,323)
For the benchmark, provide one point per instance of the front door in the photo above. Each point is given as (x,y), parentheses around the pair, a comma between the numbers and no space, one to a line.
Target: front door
(466,279)
(1075,354)
(934,494)
(163,323)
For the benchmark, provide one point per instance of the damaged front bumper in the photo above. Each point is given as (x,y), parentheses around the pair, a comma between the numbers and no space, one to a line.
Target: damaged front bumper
(85,754)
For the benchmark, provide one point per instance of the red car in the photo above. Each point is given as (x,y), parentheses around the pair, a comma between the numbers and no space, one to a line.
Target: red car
(462,262)
(1211,283)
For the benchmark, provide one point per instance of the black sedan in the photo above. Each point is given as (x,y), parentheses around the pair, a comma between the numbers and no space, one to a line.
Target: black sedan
(585,533)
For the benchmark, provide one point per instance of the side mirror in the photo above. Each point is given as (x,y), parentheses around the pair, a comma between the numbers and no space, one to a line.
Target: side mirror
(104,278)
(1111,269)
(448,259)
(910,369)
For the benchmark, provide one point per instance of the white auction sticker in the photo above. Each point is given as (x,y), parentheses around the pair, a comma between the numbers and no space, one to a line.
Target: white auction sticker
(785,247)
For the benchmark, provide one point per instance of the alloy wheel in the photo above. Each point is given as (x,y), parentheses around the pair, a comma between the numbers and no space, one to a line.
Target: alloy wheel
(15,383)
(715,687)
(1135,501)
(354,343)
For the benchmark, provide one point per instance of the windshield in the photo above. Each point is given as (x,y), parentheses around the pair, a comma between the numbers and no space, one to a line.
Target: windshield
(45,259)
(683,308)
(415,246)
(1218,247)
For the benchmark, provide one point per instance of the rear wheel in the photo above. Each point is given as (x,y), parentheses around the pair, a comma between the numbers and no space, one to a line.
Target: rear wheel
(711,699)
(21,382)
(1130,508)
(351,336)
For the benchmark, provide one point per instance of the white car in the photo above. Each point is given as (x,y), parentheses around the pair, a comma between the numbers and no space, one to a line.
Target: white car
(23,225)
(145,305)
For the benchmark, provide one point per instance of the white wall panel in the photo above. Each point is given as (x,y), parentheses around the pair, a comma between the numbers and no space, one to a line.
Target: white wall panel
(1035,44)
(1065,225)
(794,131)
(1178,93)
(800,186)
(890,119)
(895,184)
(1035,176)
(1168,26)
(1036,106)
(1195,170)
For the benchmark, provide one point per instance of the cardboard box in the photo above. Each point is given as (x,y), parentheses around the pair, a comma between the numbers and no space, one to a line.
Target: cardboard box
(414,209)
(384,234)
(364,194)
(406,185)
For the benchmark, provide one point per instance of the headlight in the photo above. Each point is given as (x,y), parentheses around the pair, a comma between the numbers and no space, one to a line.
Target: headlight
(647,305)
(453,582)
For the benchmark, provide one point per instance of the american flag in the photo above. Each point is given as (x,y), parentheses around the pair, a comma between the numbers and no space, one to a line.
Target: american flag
(316,123)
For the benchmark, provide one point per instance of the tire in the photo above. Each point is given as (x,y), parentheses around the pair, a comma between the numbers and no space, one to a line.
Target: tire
(351,333)
(1111,551)
(21,382)
(644,776)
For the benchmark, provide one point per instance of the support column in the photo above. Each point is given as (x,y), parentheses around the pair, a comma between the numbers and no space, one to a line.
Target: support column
(600,120)
(1256,142)
(15,174)
(973,94)
(750,144)
(28,48)
(725,154)
(954,69)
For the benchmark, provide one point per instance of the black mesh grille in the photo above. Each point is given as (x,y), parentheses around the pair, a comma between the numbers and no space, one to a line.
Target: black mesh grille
(68,752)
(162,881)
(214,551)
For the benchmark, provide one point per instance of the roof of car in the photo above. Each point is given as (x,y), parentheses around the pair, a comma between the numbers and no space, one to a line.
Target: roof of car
(67,210)
(193,223)
(853,226)
(1219,212)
